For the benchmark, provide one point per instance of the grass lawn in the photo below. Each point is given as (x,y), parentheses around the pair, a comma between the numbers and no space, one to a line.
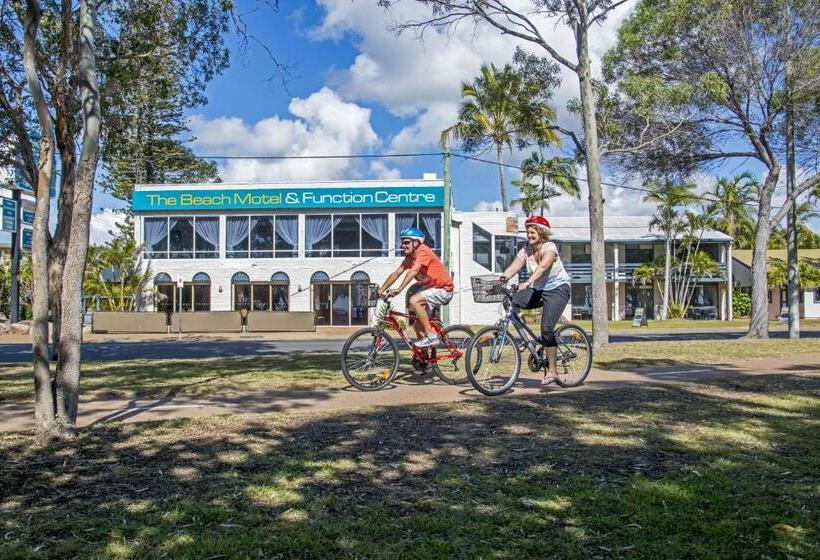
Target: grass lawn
(726,469)
(693,324)
(223,376)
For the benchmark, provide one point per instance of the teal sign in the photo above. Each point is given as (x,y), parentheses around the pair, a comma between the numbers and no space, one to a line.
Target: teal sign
(8,218)
(28,217)
(288,198)
(25,239)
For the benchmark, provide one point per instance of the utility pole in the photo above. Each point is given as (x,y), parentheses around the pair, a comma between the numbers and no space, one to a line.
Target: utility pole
(793,291)
(14,303)
(447,225)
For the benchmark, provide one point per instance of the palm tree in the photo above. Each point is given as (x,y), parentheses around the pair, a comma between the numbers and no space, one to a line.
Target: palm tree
(732,198)
(806,237)
(556,172)
(531,196)
(669,197)
(497,109)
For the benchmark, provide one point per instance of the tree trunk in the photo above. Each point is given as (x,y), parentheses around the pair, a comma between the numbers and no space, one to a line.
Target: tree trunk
(600,327)
(504,204)
(759,322)
(667,272)
(793,290)
(68,380)
(43,393)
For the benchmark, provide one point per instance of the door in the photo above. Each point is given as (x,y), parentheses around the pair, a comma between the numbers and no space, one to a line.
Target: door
(341,304)
(321,303)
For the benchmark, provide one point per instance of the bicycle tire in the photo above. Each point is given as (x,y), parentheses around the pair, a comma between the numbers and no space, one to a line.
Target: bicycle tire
(480,353)
(380,379)
(447,370)
(579,343)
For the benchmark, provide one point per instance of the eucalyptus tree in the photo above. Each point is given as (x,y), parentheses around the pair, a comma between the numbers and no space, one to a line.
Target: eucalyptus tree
(719,70)
(60,65)
(529,21)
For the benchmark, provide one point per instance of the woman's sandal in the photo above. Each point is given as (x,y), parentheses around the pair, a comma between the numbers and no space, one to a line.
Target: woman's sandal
(548,379)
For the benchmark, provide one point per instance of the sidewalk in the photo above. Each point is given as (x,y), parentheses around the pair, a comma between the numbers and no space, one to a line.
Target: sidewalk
(405,392)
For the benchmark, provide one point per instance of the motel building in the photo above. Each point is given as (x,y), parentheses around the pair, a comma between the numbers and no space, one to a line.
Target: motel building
(295,256)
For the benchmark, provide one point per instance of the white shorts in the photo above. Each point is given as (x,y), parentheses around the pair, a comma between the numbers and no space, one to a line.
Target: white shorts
(436,297)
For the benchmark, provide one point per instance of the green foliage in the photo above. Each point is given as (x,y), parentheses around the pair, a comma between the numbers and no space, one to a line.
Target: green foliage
(741,304)
(24,290)
(676,310)
(731,208)
(808,273)
(114,273)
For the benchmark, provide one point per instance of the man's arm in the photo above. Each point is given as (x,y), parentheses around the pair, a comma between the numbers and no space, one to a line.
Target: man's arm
(390,279)
(411,274)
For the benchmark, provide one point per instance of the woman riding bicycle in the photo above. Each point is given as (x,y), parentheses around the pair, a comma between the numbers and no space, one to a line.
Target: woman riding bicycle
(548,285)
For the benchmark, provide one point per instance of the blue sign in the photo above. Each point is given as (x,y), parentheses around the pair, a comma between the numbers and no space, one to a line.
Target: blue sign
(8,221)
(25,239)
(278,198)
(27,217)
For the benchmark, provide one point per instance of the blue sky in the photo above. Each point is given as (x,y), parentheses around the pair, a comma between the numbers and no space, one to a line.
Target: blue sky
(357,88)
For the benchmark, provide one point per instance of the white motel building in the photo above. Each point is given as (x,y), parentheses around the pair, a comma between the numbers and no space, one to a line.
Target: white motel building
(304,247)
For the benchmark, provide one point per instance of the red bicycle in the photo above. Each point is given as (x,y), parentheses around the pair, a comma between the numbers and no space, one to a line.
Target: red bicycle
(370,357)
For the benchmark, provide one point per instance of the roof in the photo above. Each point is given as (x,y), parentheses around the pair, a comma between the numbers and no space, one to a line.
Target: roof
(429,180)
(745,255)
(616,228)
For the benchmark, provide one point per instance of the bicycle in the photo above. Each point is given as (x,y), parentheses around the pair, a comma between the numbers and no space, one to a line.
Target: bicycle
(494,357)
(370,356)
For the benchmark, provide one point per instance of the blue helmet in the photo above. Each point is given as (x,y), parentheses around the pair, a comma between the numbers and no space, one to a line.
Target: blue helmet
(412,233)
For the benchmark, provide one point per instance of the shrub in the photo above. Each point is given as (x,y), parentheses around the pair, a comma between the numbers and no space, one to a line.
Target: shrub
(741,304)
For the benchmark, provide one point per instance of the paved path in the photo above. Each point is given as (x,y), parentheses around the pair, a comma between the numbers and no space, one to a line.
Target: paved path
(19,416)
(133,347)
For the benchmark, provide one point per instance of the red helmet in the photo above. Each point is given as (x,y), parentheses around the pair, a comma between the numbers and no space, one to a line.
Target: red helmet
(538,222)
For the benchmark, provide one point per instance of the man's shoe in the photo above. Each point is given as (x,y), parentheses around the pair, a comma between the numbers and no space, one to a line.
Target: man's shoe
(429,340)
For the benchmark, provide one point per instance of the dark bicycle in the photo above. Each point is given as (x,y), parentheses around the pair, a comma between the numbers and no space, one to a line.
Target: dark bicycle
(494,354)
(370,357)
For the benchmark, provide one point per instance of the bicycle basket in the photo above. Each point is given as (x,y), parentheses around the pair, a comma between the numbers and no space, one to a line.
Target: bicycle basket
(368,293)
(486,289)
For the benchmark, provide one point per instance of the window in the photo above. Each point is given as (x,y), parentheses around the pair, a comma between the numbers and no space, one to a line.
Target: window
(165,295)
(582,295)
(770,296)
(200,292)
(241,283)
(280,287)
(181,237)
(482,247)
(261,237)
(429,224)
(506,247)
(639,254)
(356,235)
(580,253)
(817,295)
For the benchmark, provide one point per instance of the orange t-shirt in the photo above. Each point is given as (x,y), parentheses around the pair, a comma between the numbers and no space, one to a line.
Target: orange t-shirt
(432,273)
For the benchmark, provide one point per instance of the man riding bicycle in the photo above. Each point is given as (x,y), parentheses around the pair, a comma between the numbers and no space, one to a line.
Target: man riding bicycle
(548,285)
(421,264)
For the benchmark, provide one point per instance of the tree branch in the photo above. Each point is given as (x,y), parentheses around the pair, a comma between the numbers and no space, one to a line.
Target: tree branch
(808,184)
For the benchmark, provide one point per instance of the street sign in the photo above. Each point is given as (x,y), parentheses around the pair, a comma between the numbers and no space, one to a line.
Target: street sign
(27,214)
(8,221)
(25,238)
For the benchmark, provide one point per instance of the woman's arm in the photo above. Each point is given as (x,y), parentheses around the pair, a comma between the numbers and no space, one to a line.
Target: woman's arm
(514,267)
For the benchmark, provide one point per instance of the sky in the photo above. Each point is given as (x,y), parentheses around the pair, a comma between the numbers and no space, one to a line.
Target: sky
(354,87)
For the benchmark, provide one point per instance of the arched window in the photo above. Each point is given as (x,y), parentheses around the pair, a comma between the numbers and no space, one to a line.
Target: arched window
(280,291)
(320,276)
(359,276)
(358,297)
(241,283)
(196,295)
(201,278)
(165,296)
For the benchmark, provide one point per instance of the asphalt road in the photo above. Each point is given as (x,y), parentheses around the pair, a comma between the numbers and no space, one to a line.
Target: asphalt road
(153,349)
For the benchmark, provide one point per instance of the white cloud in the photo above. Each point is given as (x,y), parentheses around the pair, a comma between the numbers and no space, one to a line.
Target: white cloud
(102,224)
(380,170)
(323,124)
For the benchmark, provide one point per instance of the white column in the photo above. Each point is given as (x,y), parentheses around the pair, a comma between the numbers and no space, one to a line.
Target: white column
(616,287)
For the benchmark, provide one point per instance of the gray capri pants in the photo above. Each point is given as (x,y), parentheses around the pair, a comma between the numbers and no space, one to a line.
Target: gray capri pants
(553,301)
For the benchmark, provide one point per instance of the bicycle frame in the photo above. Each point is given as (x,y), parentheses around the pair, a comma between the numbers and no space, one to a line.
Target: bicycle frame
(453,352)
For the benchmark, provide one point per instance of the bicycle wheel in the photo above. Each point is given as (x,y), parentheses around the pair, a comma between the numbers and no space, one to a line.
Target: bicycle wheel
(370,359)
(493,361)
(451,370)
(574,355)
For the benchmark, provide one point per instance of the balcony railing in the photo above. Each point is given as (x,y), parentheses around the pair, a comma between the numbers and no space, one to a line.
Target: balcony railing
(582,272)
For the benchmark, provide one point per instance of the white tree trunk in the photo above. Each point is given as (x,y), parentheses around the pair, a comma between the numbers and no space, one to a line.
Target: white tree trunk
(505,205)
(667,273)
(759,322)
(68,380)
(600,325)
(43,393)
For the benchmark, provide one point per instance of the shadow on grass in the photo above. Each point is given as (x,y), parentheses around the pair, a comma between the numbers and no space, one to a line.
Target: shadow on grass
(725,469)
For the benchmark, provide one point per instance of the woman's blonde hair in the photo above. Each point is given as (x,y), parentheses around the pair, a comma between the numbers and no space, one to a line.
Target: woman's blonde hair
(542,232)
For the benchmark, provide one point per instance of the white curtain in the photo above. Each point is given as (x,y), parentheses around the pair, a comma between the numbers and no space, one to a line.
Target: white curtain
(237,232)
(288,229)
(317,228)
(432,223)
(155,230)
(376,226)
(403,221)
(208,229)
